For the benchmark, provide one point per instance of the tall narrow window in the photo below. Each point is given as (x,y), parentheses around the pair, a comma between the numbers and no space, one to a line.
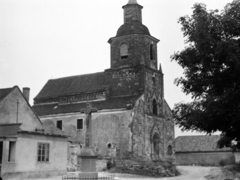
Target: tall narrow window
(59,124)
(154,104)
(154,81)
(169,150)
(151,52)
(79,124)
(156,141)
(124,51)
(12,151)
(43,152)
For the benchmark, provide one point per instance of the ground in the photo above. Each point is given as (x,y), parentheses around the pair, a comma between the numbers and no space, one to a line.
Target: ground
(187,173)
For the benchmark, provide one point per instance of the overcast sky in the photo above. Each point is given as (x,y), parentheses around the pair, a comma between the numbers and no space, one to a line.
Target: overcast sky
(47,39)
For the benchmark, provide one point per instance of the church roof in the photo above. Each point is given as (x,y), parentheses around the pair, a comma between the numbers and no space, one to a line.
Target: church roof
(4,92)
(86,83)
(198,144)
(111,103)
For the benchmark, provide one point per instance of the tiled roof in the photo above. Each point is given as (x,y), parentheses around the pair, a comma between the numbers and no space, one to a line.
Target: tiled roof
(197,144)
(73,85)
(111,103)
(4,92)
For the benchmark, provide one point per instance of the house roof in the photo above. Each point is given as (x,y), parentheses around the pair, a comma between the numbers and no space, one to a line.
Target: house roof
(198,144)
(111,103)
(4,92)
(73,85)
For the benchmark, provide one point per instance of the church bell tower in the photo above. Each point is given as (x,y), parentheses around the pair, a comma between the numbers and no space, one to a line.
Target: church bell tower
(133,45)
(134,63)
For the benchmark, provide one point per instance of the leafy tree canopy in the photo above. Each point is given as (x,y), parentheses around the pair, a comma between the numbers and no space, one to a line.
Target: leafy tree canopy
(211,63)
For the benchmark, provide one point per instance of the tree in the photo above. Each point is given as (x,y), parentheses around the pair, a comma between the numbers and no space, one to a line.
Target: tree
(211,63)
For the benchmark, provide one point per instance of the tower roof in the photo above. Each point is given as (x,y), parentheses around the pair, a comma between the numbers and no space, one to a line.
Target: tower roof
(132,28)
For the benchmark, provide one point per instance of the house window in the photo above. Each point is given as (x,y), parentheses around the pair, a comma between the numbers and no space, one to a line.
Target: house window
(154,104)
(79,124)
(124,51)
(59,124)
(151,52)
(12,151)
(43,152)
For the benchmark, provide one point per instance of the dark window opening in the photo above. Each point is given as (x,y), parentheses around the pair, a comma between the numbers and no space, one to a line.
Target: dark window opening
(12,151)
(156,141)
(43,152)
(151,52)
(169,150)
(124,51)
(79,124)
(59,124)
(154,81)
(109,145)
(154,104)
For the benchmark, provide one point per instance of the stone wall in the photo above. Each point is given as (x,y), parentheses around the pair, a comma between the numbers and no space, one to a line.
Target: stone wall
(138,51)
(204,158)
(126,81)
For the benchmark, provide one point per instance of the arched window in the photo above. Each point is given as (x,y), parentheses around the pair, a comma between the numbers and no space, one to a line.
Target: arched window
(156,141)
(124,51)
(169,150)
(151,52)
(154,104)
(109,145)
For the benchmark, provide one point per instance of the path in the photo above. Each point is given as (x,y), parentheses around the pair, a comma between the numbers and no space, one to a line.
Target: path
(187,173)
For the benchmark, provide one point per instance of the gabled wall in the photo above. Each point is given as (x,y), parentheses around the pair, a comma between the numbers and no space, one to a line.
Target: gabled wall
(13,112)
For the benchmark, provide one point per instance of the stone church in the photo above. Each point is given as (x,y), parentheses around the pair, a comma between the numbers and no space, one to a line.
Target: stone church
(132,119)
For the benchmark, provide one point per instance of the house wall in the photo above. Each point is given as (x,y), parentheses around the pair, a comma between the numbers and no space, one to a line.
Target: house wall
(107,127)
(26,164)
(204,158)
(10,111)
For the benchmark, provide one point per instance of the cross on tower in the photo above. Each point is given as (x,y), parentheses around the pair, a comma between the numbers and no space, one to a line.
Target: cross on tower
(88,111)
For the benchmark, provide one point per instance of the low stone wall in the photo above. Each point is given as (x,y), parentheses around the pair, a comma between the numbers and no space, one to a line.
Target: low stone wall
(155,169)
(205,158)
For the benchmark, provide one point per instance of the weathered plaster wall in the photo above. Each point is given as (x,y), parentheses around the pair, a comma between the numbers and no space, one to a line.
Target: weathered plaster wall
(69,124)
(138,49)
(26,157)
(112,127)
(24,114)
(204,158)
(108,127)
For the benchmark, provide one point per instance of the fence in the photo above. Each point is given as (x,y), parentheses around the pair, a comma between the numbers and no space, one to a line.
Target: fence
(67,177)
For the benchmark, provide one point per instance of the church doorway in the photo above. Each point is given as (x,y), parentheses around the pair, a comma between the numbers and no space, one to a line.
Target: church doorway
(1,152)
(156,146)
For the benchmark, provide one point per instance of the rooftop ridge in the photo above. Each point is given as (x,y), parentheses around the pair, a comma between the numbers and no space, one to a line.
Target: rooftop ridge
(81,75)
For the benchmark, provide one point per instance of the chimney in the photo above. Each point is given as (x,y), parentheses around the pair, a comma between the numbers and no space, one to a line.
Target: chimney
(26,92)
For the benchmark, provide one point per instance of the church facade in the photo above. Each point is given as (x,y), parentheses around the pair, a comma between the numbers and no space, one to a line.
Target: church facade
(133,119)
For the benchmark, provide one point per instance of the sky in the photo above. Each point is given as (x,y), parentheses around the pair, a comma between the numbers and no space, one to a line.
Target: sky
(47,39)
